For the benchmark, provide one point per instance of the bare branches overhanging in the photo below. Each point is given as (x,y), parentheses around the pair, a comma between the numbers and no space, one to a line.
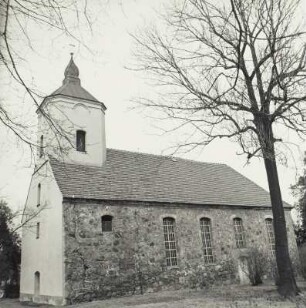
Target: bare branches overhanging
(238,61)
(17,18)
(233,69)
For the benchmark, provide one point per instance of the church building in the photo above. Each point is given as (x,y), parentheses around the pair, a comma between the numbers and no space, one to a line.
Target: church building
(107,222)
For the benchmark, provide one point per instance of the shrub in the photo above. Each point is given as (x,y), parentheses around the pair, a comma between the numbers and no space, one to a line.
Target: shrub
(12,291)
(302,252)
(256,266)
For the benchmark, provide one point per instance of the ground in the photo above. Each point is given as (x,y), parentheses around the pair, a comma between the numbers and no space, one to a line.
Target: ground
(234,296)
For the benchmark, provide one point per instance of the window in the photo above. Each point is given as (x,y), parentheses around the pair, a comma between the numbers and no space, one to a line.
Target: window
(270,231)
(239,233)
(38,194)
(206,233)
(37,229)
(107,223)
(36,283)
(170,241)
(41,147)
(80,140)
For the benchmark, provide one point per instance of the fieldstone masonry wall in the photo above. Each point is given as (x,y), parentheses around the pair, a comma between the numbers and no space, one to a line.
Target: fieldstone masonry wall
(131,259)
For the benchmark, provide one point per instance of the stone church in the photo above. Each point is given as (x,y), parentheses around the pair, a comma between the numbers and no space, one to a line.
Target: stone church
(112,222)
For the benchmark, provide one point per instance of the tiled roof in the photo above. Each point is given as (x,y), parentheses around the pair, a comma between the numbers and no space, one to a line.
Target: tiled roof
(152,178)
(74,90)
(72,85)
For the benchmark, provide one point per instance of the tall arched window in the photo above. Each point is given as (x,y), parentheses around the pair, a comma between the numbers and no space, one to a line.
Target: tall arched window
(170,241)
(41,146)
(239,233)
(37,230)
(206,234)
(36,283)
(38,194)
(80,140)
(270,231)
(107,223)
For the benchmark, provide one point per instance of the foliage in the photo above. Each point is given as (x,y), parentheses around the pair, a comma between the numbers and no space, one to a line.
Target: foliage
(299,191)
(300,233)
(302,253)
(10,254)
(256,266)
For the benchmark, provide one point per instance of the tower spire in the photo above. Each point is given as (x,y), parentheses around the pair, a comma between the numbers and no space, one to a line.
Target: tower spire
(71,72)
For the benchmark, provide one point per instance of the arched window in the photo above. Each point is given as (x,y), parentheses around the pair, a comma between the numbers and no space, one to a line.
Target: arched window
(239,233)
(37,230)
(81,141)
(270,231)
(206,234)
(107,223)
(41,146)
(170,241)
(38,194)
(36,283)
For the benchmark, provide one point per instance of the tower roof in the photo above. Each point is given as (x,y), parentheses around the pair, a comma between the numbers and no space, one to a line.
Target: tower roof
(71,86)
(71,72)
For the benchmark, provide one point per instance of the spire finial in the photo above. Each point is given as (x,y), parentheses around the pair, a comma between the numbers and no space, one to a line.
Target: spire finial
(71,72)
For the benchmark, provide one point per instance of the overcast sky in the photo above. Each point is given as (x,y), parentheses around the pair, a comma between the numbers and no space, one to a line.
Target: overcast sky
(104,73)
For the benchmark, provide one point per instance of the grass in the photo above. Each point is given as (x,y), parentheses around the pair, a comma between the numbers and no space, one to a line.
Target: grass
(230,296)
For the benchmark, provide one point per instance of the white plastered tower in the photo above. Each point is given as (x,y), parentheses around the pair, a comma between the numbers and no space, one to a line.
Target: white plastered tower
(71,123)
(71,128)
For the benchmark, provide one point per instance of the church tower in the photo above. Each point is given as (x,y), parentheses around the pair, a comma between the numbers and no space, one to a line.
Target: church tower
(71,123)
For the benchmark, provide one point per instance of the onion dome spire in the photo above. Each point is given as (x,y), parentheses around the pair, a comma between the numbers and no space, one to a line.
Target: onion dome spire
(71,72)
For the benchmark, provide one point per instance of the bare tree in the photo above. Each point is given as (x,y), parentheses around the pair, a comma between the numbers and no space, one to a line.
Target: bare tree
(233,69)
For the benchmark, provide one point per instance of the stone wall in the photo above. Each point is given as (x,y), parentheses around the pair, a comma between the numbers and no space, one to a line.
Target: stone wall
(131,258)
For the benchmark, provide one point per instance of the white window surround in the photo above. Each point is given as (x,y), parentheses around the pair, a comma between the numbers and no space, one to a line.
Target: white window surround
(170,241)
(239,232)
(207,240)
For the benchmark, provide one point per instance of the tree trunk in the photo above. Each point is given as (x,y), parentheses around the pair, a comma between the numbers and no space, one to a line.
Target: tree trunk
(286,284)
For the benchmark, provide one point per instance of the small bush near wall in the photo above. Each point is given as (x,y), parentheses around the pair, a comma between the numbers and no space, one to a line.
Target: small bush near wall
(256,266)
(12,291)
(302,252)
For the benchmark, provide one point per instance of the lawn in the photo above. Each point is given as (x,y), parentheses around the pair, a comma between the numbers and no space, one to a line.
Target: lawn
(227,296)
(233,296)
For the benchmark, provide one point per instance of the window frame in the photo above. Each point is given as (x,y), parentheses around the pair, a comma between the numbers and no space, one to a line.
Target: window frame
(169,230)
(81,141)
(107,225)
(41,146)
(207,240)
(270,234)
(37,230)
(239,232)
(37,283)
(38,195)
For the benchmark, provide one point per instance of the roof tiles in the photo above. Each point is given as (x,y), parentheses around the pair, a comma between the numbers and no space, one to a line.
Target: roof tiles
(152,178)
(74,90)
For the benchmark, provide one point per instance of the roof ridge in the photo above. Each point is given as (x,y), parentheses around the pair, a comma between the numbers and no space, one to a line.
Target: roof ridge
(167,157)
(142,153)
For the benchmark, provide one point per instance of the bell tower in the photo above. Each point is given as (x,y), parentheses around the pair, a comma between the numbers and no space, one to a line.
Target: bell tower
(71,123)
